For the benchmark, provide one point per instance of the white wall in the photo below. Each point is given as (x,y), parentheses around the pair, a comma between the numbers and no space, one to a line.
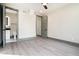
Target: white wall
(64,23)
(27,25)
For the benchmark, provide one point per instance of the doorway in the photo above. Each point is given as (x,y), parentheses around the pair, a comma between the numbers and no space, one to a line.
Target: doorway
(11,25)
(41,25)
(6,24)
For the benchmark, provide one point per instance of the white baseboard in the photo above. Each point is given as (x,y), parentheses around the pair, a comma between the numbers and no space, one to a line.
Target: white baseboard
(29,38)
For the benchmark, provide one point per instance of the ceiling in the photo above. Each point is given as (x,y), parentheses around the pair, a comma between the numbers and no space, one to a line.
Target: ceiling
(37,7)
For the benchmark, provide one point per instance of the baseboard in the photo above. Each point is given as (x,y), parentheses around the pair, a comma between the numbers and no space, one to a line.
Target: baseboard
(68,42)
(29,38)
(38,35)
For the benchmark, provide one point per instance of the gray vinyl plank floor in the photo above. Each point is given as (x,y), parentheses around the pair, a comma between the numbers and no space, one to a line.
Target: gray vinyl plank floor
(40,47)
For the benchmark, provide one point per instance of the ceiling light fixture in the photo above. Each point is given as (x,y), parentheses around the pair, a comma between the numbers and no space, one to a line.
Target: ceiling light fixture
(45,5)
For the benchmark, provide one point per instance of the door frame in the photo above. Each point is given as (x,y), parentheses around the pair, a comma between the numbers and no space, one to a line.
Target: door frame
(3,37)
(41,26)
(7,7)
(3,15)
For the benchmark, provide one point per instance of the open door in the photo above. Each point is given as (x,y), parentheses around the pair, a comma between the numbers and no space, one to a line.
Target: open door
(41,25)
(44,23)
(2,26)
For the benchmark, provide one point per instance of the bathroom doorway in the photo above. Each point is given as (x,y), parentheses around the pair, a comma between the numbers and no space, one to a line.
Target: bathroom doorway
(11,24)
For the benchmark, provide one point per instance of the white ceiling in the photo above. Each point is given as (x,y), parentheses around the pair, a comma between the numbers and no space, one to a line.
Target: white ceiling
(37,7)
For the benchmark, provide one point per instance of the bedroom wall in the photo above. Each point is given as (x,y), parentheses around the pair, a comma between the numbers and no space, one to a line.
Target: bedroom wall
(64,23)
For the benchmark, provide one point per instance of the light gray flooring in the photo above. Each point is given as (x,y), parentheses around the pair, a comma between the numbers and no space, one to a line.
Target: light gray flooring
(40,47)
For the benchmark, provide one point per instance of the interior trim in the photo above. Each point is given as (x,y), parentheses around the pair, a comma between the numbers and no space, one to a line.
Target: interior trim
(64,41)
